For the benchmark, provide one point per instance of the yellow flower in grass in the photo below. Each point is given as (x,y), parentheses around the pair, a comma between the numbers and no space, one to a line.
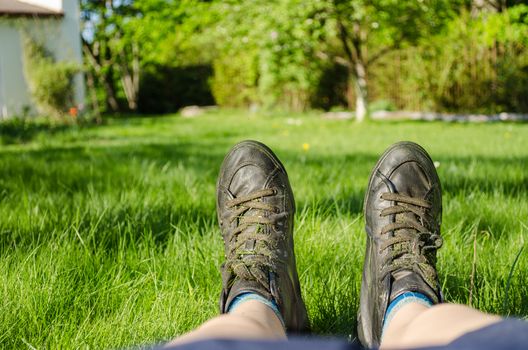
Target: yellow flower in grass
(306,147)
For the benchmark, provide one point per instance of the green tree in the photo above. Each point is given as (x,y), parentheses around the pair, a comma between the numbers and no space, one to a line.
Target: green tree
(366,30)
(101,28)
(266,52)
(292,41)
(121,37)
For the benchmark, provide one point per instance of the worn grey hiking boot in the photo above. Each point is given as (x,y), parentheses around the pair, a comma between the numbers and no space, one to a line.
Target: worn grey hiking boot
(255,208)
(403,211)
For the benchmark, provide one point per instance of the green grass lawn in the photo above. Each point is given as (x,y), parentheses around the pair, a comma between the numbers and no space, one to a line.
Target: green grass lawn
(108,235)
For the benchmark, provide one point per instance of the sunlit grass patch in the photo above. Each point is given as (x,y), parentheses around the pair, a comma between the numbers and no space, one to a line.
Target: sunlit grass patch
(108,235)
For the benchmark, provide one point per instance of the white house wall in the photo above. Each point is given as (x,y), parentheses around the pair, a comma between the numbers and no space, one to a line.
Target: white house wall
(14,95)
(60,35)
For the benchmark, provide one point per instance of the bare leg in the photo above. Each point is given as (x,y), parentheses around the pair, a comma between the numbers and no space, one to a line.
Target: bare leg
(416,325)
(251,320)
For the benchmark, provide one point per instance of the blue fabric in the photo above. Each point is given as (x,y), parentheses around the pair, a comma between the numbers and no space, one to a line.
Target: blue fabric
(401,301)
(290,344)
(239,299)
(511,334)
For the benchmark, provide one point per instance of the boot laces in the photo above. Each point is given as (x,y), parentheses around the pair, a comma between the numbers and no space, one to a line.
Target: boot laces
(251,262)
(411,244)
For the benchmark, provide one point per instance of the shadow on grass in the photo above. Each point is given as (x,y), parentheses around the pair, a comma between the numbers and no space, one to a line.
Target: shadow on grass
(20,130)
(490,180)
(114,164)
(74,171)
(128,224)
(72,174)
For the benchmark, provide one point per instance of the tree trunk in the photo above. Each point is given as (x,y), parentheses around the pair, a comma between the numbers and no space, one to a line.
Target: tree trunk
(360,85)
(129,73)
(90,82)
(357,66)
(102,77)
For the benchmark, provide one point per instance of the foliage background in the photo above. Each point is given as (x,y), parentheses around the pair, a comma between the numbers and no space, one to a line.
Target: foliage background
(159,55)
(50,82)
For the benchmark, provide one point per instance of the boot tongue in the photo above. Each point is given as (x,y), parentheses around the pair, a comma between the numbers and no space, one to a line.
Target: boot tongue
(246,180)
(407,280)
(418,187)
(410,281)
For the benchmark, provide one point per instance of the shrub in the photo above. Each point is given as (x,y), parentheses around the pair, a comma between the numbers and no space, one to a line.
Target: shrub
(235,80)
(50,82)
(479,64)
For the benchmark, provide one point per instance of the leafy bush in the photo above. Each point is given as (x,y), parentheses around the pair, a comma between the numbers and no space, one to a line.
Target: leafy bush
(50,82)
(235,80)
(269,60)
(479,64)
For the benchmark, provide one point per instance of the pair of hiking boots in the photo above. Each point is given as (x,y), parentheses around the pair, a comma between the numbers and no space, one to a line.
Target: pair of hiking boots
(402,209)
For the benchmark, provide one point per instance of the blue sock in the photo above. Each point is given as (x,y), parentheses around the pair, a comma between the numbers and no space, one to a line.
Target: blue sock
(239,299)
(402,300)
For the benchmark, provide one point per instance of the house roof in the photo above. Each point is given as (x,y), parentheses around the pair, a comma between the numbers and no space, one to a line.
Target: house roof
(18,8)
